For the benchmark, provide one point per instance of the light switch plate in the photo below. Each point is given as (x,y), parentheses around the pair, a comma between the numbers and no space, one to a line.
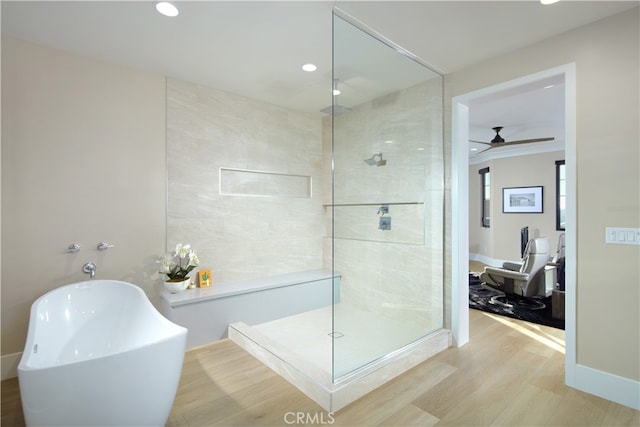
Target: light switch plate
(622,235)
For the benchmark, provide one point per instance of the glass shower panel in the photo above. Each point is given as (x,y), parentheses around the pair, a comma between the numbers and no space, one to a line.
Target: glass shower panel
(387,200)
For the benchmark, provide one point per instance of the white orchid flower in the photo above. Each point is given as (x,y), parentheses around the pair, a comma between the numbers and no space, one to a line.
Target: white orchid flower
(166,262)
(193,258)
(182,250)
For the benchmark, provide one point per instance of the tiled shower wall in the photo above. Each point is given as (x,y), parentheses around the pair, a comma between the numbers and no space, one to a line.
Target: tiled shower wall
(249,235)
(397,273)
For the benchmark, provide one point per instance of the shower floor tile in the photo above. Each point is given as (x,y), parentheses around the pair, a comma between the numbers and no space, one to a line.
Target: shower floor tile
(359,337)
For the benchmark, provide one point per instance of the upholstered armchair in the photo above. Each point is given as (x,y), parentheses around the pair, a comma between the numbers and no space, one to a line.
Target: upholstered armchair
(525,278)
(558,261)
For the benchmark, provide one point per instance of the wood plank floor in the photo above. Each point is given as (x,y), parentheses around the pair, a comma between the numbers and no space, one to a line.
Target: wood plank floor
(476,266)
(510,374)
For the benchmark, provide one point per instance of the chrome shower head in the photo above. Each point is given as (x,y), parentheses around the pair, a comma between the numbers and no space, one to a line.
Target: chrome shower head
(335,110)
(371,161)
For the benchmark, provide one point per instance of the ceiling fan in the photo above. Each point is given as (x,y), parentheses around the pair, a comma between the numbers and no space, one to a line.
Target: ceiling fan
(499,141)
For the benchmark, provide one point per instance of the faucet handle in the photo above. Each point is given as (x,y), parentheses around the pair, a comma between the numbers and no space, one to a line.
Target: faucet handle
(73,248)
(103,246)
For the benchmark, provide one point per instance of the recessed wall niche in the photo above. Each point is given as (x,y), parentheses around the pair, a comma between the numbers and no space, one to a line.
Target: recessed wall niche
(223,150)
(240,182)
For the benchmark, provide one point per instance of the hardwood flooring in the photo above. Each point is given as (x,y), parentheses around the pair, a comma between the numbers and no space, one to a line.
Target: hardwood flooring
(510,374)
(476,266)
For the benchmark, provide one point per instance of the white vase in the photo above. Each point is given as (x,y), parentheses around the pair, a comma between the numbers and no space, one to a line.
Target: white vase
(175,287)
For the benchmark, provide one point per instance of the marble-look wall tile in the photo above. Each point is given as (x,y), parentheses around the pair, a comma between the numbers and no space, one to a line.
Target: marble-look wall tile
(240,236)
(245,237)
(401,278)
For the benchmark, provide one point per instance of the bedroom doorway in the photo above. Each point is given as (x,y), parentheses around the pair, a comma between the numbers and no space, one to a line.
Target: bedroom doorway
(460,204)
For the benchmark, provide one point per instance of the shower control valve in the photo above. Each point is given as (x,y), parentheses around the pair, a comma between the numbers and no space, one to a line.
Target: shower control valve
(384,209)
(384,223)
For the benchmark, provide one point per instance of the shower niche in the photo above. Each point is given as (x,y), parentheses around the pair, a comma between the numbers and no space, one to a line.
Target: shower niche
(383,207)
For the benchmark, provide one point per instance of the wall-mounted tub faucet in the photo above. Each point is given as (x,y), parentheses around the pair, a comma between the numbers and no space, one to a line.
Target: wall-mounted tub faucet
(90,269)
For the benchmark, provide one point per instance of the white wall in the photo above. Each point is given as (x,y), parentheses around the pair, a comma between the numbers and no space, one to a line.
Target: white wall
(83,160)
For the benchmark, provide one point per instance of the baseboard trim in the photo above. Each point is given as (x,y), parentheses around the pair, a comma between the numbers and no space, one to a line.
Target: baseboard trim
(9,364)
(608,386)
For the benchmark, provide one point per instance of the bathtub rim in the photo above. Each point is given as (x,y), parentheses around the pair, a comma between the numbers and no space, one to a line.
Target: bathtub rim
(23,365)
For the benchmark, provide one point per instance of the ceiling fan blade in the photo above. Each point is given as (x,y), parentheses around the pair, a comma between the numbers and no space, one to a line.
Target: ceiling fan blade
(486,149)
(526,141)
(498,141)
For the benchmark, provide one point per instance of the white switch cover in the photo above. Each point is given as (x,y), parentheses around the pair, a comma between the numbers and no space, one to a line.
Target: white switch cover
(622,235)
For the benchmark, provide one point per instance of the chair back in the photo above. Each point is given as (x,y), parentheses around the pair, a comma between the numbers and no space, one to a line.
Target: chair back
(559,257)
(536,256)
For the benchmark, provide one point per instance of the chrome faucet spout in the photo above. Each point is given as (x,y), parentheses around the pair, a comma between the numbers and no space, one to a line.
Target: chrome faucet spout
(90,269)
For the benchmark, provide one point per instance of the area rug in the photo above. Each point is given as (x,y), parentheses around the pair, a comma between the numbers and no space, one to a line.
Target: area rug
(480,299)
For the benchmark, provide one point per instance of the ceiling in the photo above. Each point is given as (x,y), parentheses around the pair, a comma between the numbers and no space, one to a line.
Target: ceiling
(256,48)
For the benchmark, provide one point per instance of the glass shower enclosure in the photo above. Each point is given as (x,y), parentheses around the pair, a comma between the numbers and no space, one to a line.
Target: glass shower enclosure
(379,305)
(386,205)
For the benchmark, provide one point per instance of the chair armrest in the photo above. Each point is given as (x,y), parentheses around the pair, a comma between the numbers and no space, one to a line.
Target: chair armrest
(513,266)
(515,275)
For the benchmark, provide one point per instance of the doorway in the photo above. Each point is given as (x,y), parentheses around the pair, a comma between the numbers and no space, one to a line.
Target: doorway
(460,205)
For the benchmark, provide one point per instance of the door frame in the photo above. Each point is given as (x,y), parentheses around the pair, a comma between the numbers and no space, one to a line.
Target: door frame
(460,207)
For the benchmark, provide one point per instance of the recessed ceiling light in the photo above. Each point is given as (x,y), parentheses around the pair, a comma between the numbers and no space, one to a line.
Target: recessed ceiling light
(420,148)
(388,141)
(309,68)
(166,8)
(336,91)
(474,149)
(548,87)
(548,1)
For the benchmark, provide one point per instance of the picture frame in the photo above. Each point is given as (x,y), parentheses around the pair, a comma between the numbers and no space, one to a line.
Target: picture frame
(204,278)
(522,200)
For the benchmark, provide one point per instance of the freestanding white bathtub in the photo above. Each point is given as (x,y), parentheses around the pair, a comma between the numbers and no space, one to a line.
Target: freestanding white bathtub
(99,354)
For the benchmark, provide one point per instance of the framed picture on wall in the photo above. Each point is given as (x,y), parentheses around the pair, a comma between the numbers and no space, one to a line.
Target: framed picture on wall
(522,200)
